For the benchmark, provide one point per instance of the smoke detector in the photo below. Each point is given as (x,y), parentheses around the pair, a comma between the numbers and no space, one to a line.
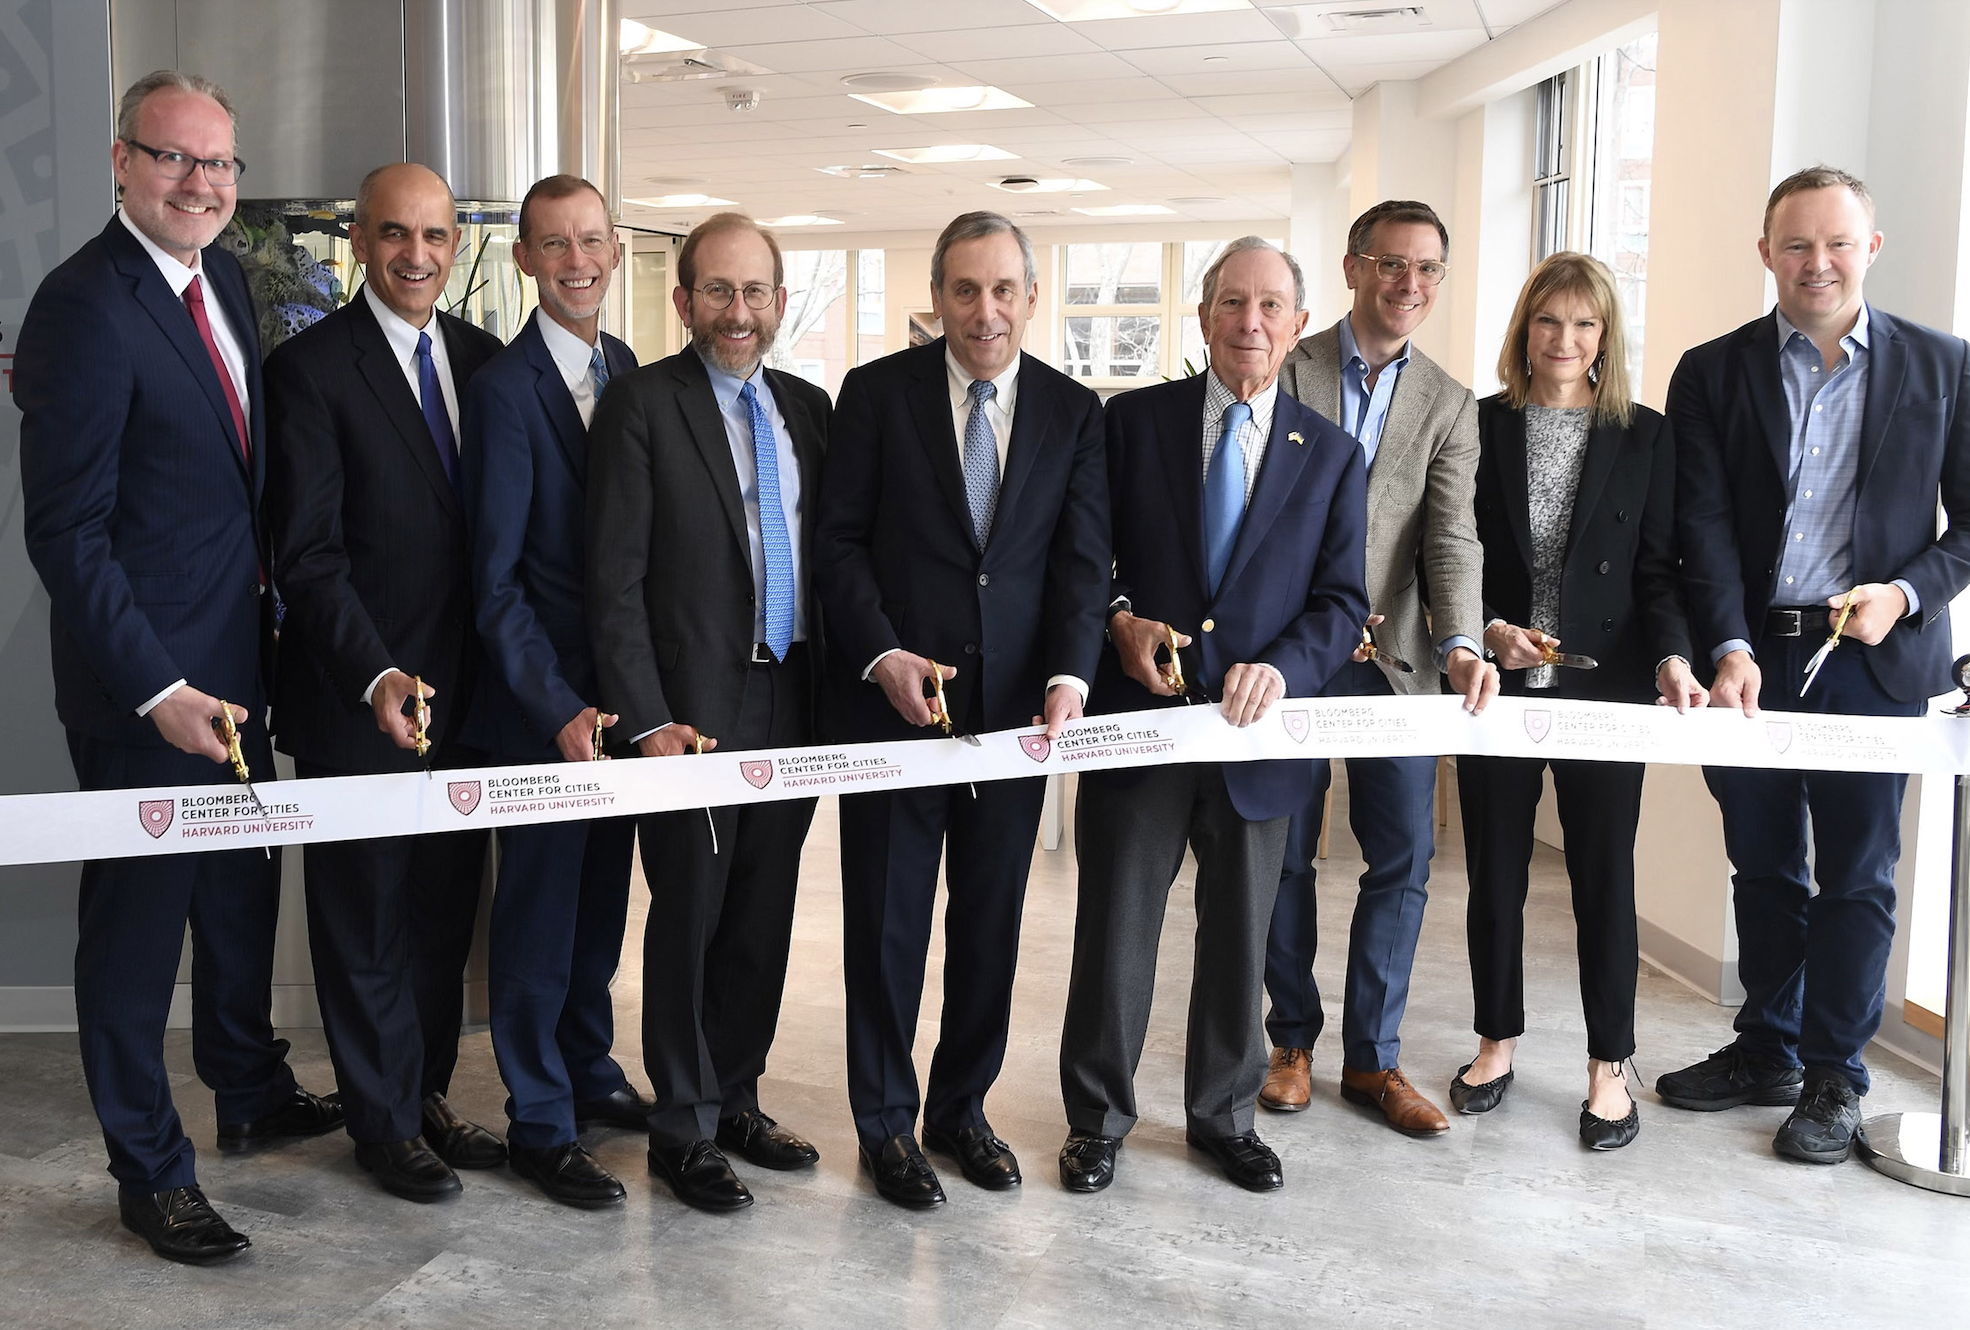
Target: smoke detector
(741,99)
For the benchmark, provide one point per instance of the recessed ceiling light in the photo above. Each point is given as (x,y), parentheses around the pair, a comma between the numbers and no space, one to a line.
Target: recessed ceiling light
(801,219)
(867,171)
(1196,201)
(1097,161)
(931,100)
(681,201)
(1084,11)
(641,39)
(889,82)
(1126,210)
(949,152)
(1026,184)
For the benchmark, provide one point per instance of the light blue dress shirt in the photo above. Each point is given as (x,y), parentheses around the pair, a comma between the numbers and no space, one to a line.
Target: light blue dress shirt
(738,434)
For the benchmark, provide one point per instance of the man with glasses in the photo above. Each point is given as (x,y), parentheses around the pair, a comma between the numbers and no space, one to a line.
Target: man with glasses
(138,379)
(1417,428)
(563,891)
(703,470)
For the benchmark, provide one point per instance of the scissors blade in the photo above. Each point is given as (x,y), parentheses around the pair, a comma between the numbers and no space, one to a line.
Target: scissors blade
(971,739)
(1813,665)
(1396,663)
(1572,661)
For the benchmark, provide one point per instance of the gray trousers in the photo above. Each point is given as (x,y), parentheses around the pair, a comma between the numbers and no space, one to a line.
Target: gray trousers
(1129,836)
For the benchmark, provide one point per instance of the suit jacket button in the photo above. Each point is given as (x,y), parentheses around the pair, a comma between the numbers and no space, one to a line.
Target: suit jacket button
(971,648)
(1621,515)
(1603,567)
(1607,625)
(984,579)
(1209,624)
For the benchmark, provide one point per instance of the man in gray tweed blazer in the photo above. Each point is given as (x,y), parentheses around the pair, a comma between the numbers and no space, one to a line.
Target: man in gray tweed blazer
(1418,429)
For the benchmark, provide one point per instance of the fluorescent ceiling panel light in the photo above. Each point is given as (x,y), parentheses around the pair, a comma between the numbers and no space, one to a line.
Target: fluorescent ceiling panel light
(949,152)
(1087,11)
(641,39)
(1028,185)
(929,101)
(1127,210)
(801,219)
(681,201)
(866,171)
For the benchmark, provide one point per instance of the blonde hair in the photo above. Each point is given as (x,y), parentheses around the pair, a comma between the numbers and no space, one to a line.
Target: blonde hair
(1570,274)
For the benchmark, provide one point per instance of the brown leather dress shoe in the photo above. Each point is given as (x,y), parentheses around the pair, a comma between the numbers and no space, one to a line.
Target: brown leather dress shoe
(1289,1081)
(1390,1093)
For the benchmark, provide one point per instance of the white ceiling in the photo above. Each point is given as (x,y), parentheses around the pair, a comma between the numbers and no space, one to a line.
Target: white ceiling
(1205,105)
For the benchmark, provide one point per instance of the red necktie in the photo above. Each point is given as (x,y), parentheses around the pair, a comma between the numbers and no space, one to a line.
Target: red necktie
(195,302)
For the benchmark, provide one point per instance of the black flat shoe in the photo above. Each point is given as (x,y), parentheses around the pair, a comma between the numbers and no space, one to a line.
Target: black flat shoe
(569,1175)
(759,1140)
(1087,1162)
(459,1143)
(1602,1134)
(1245,1159)
(984,1159)
(903,1175)
(302,1115)
(1473,1099)
(180,1225)
(701,1176)
(410,1169)
(625,1108)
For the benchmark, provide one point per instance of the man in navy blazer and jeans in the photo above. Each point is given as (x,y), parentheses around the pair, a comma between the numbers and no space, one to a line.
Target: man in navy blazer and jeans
(141,468)
(1240,521)
(1813,444)
(563,891)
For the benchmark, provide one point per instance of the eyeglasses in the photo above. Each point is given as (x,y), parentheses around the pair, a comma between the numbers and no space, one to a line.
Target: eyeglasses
(719,295)
(556,247)
(1393,268)
(179,166)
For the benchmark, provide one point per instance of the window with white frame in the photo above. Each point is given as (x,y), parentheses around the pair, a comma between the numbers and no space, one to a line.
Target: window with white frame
(1623,148)
(1129,310)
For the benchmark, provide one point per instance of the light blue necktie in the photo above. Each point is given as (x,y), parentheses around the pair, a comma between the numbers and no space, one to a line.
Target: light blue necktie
(1224,494)
(598,369)
(772,528)
(981,462)
(431,399)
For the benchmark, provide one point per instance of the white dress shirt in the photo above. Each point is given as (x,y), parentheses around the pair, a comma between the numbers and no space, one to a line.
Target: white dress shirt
(571,356)
(178,277)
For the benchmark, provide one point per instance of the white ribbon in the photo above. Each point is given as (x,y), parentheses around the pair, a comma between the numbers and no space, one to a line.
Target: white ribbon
(114,824)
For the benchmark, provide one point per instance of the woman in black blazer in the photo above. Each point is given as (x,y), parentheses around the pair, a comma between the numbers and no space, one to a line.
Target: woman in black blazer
(1576,513)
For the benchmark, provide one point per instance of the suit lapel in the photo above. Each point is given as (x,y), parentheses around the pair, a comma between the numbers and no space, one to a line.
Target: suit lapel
(1031,425)
(1887,362)
(699,405)
(1515,480)
(1285,457)
(1183,455)
(556,401)
(1409,404)
(385,377)
(930,407)
(1603,450)
(1761,376)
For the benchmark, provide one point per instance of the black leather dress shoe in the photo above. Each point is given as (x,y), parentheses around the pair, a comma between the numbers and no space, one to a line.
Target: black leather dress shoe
(903,1175)
(984,1159)
(1728,1078)
(409,1169)
(1245,1159)
(179,1225)
(1480,1098)
(1087,1163)
(758,1139)
(625,1108)
(701,1176)
(569,1175)
(303,1115)
(459,1143)
(1821,1129)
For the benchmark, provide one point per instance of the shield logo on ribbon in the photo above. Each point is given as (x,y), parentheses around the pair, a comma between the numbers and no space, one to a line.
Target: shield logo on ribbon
(757,774)
(1538,724)
(1035,746)
(464,796)
(1297,725)
(154,815)
(1780,734)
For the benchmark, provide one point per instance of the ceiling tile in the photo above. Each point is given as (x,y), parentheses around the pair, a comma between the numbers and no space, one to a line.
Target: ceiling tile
(732,27)
(1135,34)
(1219,59)
(893,17)
(974,43)
(843,53)
(1047,69)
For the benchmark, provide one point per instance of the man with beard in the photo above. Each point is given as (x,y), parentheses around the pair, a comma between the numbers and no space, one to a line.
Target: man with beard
(926,555)
(703,473)
(370,558)
(557,913)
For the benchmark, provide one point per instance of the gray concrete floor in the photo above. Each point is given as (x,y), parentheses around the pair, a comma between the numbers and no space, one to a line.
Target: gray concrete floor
(1505,1220)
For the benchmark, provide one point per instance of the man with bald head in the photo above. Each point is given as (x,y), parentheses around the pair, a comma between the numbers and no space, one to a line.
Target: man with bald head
(370,555)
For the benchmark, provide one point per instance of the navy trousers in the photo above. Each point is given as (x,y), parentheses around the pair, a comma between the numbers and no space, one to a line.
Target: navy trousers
(1814,966)
(132,915)
(554,942)
(1391,801)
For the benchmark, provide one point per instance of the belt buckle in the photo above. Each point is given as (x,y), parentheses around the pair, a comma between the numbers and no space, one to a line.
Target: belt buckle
(1792,623)
(762,654)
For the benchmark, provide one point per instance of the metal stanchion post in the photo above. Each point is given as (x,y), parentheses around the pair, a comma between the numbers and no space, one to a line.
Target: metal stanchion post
(1929,1149)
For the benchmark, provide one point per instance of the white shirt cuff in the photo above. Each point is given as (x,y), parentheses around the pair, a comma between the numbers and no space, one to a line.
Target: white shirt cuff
(877,661)
(145,709)
(372,686)
(1078,685)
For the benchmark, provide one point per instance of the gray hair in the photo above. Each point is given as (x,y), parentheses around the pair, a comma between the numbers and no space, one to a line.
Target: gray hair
(1243,245)
(157,81)
(976,226)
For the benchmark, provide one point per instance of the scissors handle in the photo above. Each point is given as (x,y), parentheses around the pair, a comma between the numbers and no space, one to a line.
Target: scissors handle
(942,713)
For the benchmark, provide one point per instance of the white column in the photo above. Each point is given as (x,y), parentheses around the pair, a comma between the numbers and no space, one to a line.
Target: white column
(1490,223)
(1312,236)
(1399,154)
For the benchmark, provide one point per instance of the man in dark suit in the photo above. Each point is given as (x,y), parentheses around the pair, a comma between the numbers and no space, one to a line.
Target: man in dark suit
(138,380)
(925,554)
(370,557)
(563,891)
(1812,446)
(1241,516)
(701,522)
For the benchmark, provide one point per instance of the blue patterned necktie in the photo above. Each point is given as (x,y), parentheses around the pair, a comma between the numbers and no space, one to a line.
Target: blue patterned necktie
(598,369)
(1224,494)
(432,400)
(773,540)
(981,462)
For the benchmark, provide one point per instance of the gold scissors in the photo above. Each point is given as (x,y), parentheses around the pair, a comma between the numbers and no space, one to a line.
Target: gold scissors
(1551,655)
(1173,676)
(599,754)
(1832,641)
(223,726)
(420,717)
(940,710)
(1373,652)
